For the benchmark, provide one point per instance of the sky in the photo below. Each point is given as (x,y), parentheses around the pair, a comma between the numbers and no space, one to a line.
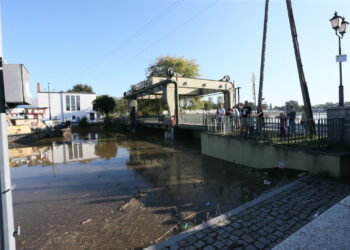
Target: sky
(108,44)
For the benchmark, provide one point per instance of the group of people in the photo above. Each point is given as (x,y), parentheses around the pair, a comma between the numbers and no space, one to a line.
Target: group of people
(241,118)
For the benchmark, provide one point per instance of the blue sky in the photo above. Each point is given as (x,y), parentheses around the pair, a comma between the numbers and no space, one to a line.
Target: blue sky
(108,44)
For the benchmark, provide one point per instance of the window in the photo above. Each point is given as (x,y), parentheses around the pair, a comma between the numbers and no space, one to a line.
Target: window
(72,97)
(67,103)
(73,117)
(78,102)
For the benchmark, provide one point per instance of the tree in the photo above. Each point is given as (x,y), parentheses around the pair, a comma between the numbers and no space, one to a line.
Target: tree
(196,103)
(106,150)
(121,106)
(208,105)
(81,88)
(104,104)
(182,66)
(149,107)
(293,103)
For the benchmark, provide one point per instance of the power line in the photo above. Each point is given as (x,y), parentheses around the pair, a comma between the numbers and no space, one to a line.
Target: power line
(133,36)
(166,35)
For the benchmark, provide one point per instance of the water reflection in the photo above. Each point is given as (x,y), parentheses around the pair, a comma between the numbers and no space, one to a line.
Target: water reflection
(79,149)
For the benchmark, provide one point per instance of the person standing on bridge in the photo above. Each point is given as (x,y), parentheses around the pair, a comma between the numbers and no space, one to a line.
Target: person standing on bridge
(291,115)
(282,125)
(221,115)
(234,118)
(245,115)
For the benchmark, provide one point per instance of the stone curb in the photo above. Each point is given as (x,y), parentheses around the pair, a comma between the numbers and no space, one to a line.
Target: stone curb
(171,241)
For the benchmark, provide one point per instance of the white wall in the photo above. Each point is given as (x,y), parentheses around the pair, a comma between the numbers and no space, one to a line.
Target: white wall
(59,106)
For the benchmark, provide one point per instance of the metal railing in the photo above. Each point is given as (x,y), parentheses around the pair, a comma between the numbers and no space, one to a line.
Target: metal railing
(328,132)
(156,119)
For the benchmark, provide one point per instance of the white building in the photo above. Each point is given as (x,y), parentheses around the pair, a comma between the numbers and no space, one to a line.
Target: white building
(67,106)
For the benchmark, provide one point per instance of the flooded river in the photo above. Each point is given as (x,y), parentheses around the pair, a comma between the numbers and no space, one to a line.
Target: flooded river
(115,192)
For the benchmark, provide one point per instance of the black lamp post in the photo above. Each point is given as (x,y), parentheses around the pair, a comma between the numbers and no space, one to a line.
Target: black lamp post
(340,26)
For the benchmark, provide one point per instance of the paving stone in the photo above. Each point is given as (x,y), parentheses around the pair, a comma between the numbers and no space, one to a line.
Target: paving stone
(250,247)
(219,238)
(236,225)
(247,238)
(200,244)
(271,237)
(190,248)
(264,240)
(262,232)
(209,248)
(259,245)
(237,232)
(208,240)
(191,239)
(278,234)
(218,245)
(272,220)
(268,229)
(182,243)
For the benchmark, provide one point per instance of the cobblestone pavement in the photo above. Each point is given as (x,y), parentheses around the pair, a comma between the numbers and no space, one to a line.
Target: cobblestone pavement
(267,223)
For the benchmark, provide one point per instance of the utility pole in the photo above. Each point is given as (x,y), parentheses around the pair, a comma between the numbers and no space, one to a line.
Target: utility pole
(303,84)
(238,88)
(263,49)
(48,89)
(253,89)
(6,207)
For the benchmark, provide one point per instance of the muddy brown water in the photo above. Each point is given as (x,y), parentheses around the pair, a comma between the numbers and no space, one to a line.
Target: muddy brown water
(116,192)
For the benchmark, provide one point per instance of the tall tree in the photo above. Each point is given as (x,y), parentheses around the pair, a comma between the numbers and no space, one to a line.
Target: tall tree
(81,88)
(182,66)
(295,104)
(104,104)
(263,49)
(121,106)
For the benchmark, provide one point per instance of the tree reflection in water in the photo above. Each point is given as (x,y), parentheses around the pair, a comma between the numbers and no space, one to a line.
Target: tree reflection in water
(106,149)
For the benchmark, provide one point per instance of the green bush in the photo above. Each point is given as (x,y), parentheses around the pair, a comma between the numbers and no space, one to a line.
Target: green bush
(83,122)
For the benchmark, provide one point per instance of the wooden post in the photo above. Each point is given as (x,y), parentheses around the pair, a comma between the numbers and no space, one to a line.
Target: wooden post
(263,49)
(303,84)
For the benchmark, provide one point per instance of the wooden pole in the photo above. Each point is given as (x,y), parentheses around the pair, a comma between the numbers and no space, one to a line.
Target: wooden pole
(263,49)
(303,84)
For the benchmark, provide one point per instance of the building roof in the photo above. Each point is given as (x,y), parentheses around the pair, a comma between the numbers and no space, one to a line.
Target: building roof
(63,92)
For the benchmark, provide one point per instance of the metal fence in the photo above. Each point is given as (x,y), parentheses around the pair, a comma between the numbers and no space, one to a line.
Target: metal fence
(328,132)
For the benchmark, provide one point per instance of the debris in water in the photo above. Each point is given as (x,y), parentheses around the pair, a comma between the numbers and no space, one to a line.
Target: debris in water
(315,215)
(301,174)
(185,226)
(281,165)
(207,204)
(131,203)
(266,182)
(86,221)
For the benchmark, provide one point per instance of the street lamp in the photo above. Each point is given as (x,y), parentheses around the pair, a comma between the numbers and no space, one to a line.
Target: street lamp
(340,26)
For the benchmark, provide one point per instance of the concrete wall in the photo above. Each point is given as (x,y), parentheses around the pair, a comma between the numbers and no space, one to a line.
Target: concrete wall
(251,153)
(342,112)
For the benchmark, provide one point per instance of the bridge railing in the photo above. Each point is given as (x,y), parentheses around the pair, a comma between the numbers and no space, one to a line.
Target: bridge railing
(328,132)
(155,119)
(198,119)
